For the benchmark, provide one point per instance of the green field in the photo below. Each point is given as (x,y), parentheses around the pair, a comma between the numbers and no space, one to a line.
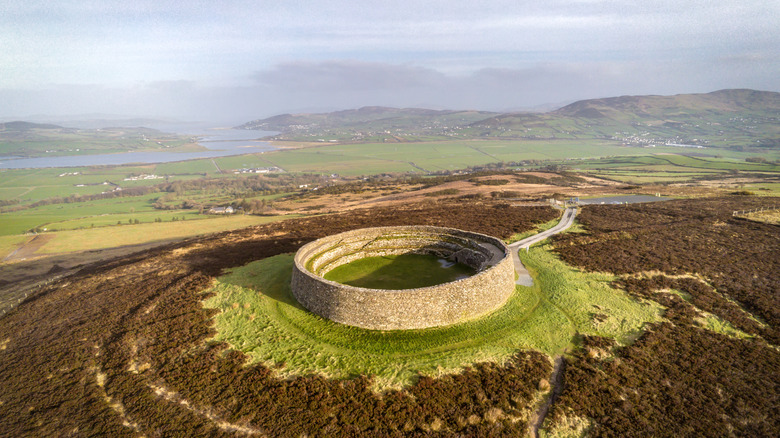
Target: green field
(406,271)
(372,158)
(679,163)
(96,213)
(259,316)
(31,185)
(110,237)
(668,168)
(595,156)
(603,158)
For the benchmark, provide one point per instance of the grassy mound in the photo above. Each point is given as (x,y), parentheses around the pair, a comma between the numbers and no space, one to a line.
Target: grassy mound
(405,271)
(259,316)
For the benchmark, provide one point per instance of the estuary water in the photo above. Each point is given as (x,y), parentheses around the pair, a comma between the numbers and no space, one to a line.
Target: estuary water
(220,142)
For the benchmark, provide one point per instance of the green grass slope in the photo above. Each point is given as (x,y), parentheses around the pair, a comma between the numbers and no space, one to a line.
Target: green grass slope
(259,316)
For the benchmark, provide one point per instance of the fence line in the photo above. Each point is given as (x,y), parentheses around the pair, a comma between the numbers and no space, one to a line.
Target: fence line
(755,210)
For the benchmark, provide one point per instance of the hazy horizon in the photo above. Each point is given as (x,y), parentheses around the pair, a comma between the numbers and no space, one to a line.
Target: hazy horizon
(238,61)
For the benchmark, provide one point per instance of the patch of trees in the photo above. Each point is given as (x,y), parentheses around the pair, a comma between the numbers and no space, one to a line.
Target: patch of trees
(444,192)
(530,179)
(170,202)
(7,202)
(769,143)
(10,205)
(566,179)
(489,182)
(255,206)
(471,174)
(506,194)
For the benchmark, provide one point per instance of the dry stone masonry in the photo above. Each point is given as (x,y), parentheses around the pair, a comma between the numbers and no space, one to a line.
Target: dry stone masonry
(382,309)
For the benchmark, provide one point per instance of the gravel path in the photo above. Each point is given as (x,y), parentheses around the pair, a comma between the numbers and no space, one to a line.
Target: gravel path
(523,277)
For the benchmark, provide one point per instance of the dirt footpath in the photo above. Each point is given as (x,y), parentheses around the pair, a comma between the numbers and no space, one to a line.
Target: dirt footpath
(22,272)
(29,248)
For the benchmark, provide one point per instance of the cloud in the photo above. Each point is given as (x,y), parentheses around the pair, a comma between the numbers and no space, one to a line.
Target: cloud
(310,45)
(347,76)
(752,57)
(346,84)
(297,86)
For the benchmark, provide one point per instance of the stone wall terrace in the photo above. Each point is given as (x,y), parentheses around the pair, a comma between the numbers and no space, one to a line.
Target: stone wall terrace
(381,309)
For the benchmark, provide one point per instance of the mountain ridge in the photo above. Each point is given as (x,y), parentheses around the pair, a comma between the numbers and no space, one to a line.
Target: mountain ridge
(735,118)
(19,125)
(726,100)
(349,116)
(643,106)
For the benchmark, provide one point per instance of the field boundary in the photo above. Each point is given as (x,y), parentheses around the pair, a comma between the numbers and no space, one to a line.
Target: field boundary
(740,213)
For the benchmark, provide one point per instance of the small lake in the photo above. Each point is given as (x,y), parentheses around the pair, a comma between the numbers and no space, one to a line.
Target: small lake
(220,143)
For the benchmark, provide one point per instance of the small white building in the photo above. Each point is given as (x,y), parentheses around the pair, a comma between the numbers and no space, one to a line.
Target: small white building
(221,210)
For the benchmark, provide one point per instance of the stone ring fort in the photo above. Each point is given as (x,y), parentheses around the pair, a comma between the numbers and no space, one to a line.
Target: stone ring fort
(383,309)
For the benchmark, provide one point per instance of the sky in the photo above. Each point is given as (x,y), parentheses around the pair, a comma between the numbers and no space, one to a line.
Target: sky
(235,61)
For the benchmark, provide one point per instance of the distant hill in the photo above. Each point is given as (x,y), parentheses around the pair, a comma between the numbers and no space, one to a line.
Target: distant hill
(108,123)
(722,101)
(30,140)
(26,126)
(375,115)
(740,119)
(747,120)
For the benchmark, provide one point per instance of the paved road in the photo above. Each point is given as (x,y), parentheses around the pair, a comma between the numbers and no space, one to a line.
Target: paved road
(523,277)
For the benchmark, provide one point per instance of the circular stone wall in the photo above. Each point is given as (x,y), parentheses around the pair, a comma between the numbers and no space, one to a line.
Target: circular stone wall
(383,309)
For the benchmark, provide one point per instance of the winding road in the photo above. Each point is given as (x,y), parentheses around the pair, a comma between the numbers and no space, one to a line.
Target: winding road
(524,278)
